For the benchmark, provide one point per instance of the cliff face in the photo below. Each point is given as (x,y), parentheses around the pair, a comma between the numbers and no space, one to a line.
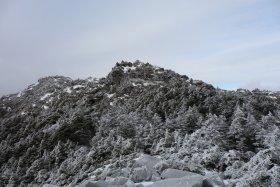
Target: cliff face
(60,131)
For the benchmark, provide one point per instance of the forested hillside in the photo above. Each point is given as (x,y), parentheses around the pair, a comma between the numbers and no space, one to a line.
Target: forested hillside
(62,131)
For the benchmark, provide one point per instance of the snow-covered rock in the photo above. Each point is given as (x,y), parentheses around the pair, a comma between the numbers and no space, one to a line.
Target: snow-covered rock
(213,179)
(129,183)
(141,174)
(146,160)
(45,96)
(160,166)
(144,184)
(49,185)
(175,173)
(188,181)
(90,183)
(102,183)
(117,180)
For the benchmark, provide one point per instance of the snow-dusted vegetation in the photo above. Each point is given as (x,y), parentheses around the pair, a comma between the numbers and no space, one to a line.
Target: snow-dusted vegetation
(140,126)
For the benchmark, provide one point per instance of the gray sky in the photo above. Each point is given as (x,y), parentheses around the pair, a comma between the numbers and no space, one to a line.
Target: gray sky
(229,43)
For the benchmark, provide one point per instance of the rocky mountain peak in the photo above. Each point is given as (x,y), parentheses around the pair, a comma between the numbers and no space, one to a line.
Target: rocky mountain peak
(138,72)
(125,70)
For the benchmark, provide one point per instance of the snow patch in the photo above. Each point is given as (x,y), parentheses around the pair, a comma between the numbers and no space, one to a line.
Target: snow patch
(241,90)
(52,128)
(160,72)
(147,84)
(35,84)
(78,86)
(145,183)
(134,84)
(93,177)
(19,94)
(45,107)
(272,97)
(68,90)
(107,166)
(156,67)
(127,68)
(30,88)
(110,95)
(50,100)
(121,97)
(140,64)
(91,79)
(101,85)
(45,96)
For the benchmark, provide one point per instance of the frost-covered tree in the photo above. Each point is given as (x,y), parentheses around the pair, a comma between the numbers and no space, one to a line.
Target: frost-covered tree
(61,131)
(237,128)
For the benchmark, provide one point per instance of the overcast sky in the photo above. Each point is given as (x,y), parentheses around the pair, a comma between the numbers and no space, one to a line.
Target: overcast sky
(228,43)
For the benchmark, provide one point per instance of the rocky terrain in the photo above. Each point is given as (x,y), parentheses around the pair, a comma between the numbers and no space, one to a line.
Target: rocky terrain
(140,126)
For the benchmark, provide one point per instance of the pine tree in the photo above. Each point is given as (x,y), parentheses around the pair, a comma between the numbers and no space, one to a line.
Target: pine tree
(237,128)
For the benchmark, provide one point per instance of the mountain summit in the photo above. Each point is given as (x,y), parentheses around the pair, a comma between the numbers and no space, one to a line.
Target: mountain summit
(140,126)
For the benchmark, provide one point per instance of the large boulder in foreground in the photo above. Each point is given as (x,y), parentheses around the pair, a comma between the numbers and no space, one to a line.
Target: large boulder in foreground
(143,168)
(144,172)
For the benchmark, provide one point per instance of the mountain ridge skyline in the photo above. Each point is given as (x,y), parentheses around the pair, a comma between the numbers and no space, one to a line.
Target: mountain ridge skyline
(225,88)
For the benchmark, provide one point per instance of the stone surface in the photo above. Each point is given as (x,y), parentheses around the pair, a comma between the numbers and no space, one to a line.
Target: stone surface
(146,160)
(161,166)
(144,184)
(140,174)
(155,177)
(174,173)
(90,183)
(118,181)
(130,183)
(213,180)
(188,181)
